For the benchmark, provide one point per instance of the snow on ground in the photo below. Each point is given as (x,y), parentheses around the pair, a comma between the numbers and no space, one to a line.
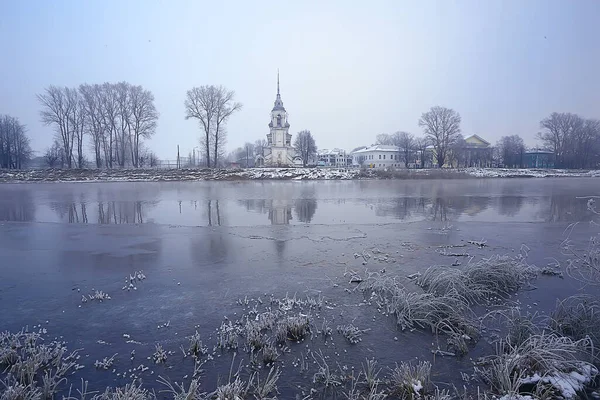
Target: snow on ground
(526,172)
(142,175)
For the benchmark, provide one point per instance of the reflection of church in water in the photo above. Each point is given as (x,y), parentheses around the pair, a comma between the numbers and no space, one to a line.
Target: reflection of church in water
(280,213)
(279,151)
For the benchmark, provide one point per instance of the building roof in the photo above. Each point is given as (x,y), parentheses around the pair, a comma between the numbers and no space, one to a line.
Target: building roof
(377,147)
(478,138)
(335,151)
(538,151)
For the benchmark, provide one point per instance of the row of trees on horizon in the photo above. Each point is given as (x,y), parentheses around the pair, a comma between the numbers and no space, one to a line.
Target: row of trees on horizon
(573,140)
(112,121)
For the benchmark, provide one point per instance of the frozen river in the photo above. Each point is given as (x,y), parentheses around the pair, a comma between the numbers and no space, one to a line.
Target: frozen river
(205,245)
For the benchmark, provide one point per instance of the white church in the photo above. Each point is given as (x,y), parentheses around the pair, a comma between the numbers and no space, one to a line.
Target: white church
(279,151)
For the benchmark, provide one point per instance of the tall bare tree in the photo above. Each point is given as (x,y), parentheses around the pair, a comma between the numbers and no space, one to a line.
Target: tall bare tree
(305,146)
(109,114)
(90,97)
(559,130)
(76,120)
(442,126)
(211,106)
(200,104)
(144,118)
(15,150)
(123,103)
(56,109)
(226,106)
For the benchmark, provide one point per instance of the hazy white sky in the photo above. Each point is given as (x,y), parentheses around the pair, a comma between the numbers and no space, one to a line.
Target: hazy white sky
(349,70)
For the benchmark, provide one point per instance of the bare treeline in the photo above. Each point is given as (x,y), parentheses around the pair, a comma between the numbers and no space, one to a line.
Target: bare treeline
(15,150)
(574,140)
(114,117)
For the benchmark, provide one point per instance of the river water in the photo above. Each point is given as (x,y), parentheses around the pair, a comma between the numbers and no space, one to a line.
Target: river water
(205,245)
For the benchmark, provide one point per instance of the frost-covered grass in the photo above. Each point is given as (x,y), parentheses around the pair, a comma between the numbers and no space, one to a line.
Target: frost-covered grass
(32,366)
(411,380)
(448,312)
(481,280)
(577,317)
(542,364)
(351,333)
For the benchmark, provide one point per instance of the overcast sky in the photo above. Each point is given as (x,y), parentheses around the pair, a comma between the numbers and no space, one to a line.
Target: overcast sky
(349,70)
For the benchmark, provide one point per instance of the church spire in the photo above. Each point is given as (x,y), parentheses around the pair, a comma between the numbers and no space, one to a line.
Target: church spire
(278,103)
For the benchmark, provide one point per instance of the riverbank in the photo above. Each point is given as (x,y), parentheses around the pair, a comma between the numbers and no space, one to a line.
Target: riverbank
(152,175)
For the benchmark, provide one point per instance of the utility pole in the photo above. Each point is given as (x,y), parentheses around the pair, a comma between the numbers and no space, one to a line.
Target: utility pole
(247,155)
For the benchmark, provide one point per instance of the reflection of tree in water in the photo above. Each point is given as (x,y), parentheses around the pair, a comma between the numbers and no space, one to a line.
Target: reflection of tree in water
(121,212)
(214,213)
(305,209)
(565,208)
(17,205)
(401,208)
(449,208)
(80,209)
(510,205)
(214,246)
(511,200)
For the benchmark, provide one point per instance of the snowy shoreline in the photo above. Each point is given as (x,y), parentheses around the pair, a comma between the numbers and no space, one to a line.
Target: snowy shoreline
(161,175)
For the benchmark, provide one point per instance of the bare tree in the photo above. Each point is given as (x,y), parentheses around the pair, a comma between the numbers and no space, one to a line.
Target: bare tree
(406,146)
(90,98)
(144,119)
(76,121)
(421,144)
(54,155)
(56,109)
(384,138)
(123,112)
(200,103)
(511,151)
(458,152)
(249,154)
(226,106)
(15,150)
(575,141)
(442,126)
(109,114)
(212,106)
(305,146)
(259,147)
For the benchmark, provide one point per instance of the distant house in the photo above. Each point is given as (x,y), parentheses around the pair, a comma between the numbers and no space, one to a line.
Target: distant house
(537,158)
(378,156)
(478,152)
(333,158)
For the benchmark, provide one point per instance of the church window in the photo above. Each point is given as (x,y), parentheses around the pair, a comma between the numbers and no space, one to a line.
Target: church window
(384,156)
(380,157)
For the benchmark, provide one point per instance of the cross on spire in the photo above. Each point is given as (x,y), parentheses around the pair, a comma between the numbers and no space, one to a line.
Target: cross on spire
(277,80)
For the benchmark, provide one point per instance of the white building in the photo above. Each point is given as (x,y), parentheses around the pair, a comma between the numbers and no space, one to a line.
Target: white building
(333,158)
(279,152)
(378,156)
